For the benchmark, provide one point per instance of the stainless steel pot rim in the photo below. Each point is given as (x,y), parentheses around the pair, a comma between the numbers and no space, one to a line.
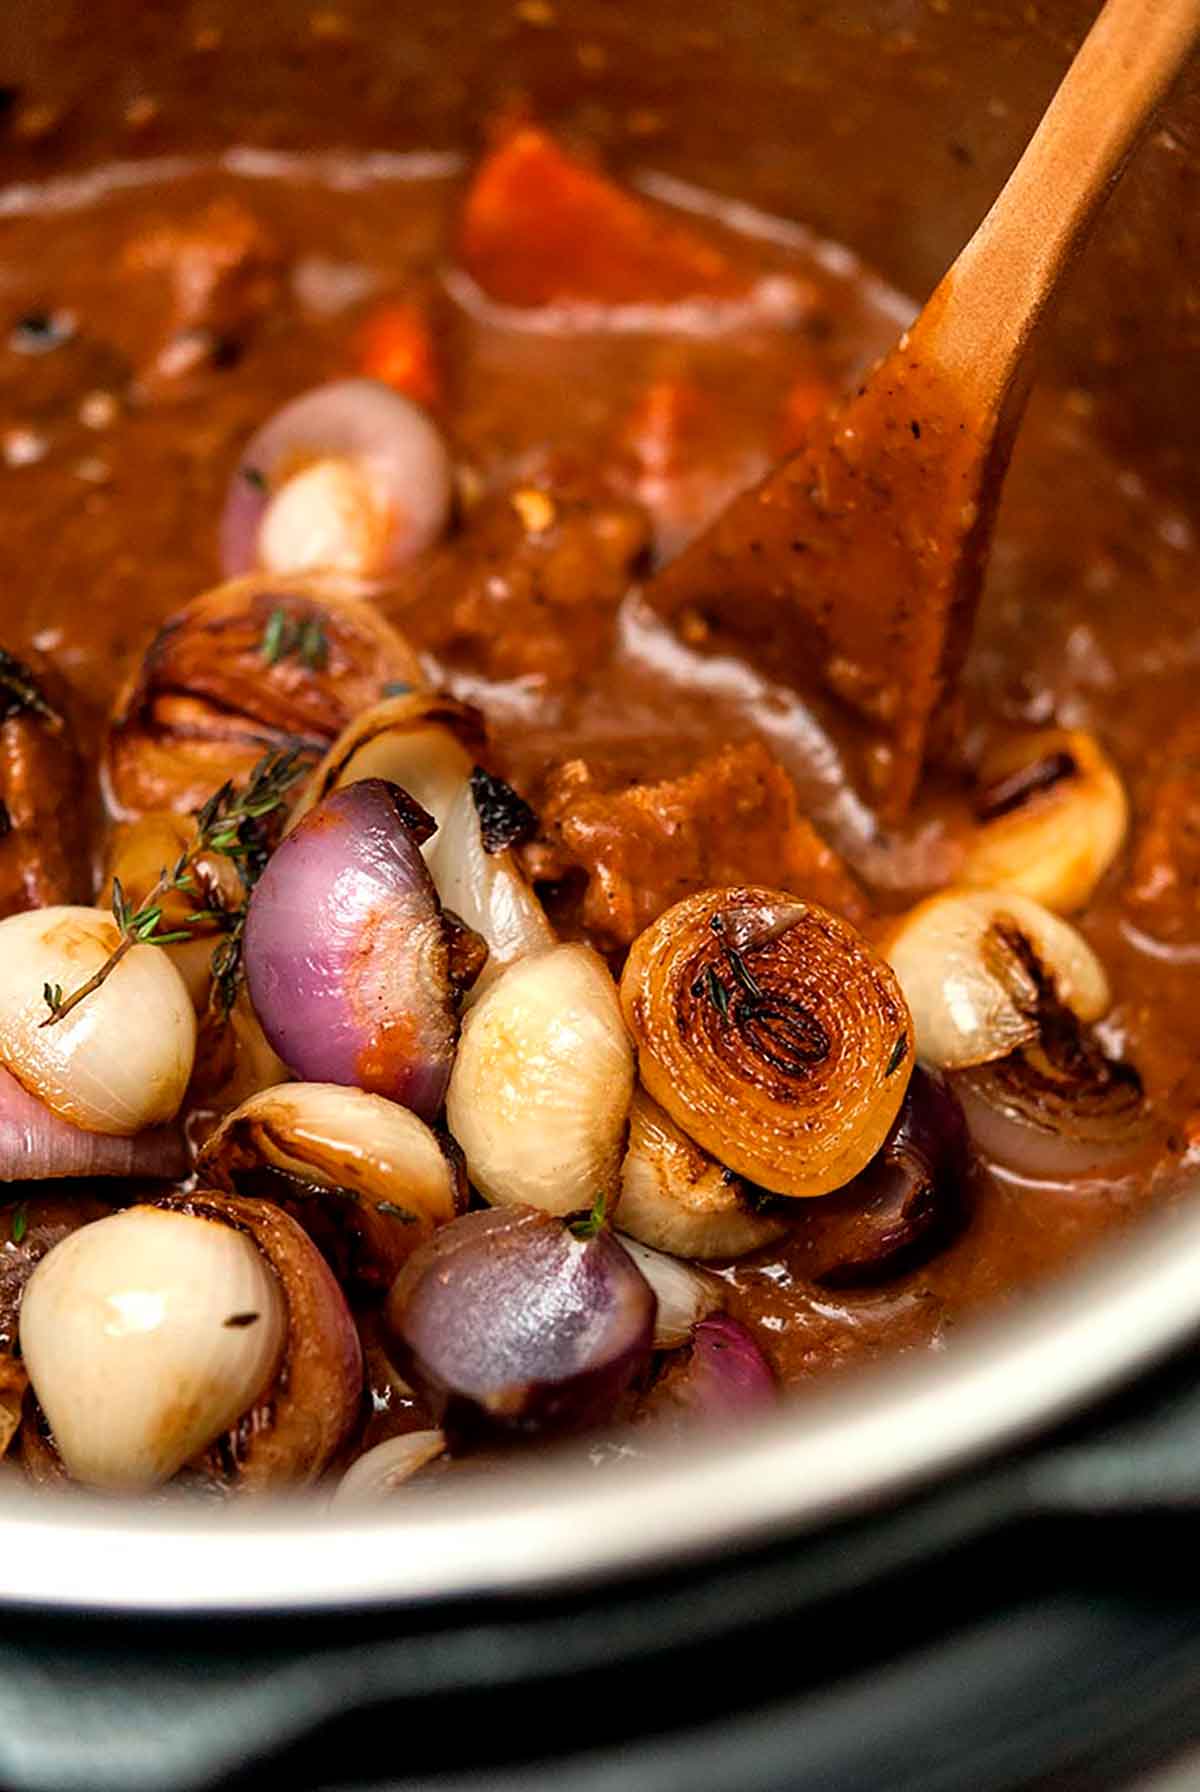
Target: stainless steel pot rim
(552,1525)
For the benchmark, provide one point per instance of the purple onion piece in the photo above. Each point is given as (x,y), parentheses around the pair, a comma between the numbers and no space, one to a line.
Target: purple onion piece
(910,1198)
(37,1146)
(385,435)
(727,1376)
(347,961)
(508,1323)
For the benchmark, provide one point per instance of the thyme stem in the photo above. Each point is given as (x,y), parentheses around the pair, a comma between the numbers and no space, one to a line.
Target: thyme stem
(231,824)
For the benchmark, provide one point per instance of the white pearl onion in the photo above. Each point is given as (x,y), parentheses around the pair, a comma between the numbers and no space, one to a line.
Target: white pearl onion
(388,1466)
(136,1336)
(540,1091)
(972,998)
(685,1295)
(121,1060)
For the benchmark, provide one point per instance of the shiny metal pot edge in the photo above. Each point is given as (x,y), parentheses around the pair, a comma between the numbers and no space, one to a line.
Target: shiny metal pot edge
(855,1446)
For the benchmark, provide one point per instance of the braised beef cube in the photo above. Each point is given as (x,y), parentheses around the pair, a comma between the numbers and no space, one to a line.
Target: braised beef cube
(734,818)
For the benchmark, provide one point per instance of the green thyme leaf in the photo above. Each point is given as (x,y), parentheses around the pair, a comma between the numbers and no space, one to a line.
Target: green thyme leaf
(275,637)
(590,1224)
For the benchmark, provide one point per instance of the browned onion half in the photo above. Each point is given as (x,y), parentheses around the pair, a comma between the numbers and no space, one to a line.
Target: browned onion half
(308,1414)
(772,1033)
(253,666)
(1056,1111)
(365,1178)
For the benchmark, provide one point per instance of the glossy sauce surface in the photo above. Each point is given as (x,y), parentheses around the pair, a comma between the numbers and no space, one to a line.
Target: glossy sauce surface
(113,480)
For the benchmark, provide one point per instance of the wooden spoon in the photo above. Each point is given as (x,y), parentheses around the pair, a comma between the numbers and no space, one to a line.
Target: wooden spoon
(854,569)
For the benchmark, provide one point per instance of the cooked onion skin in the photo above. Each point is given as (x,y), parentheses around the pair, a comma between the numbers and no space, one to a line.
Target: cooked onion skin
(772,1033)
(36,1146)
(251,667)
(508,1324)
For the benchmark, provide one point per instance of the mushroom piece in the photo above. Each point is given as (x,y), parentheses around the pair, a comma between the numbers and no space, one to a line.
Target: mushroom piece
(676,1198)
(254,666)
(367,1179)
(1052,815)
(771,1033)
(43,825)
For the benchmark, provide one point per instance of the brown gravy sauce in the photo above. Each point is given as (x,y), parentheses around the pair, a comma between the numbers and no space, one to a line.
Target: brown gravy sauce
(1089,616)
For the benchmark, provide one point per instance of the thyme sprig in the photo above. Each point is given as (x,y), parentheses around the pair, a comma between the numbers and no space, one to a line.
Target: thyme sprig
(287,635)
(231,823)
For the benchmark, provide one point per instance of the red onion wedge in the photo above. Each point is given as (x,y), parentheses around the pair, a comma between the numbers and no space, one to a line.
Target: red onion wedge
(910,1198)
(349,477)
(36,1145)
(727,1376)
(348,960)
(506,1321)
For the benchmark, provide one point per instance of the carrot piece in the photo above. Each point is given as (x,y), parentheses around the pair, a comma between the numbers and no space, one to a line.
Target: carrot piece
(395,345)
(540,227)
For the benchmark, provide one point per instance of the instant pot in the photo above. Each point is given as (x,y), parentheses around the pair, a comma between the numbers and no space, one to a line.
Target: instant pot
(976,1569)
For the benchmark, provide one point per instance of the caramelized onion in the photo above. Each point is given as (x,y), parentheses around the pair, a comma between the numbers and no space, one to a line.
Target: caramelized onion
(1052,818)
(146,1335)
(770,1032)
(118,1062)
(306,1416)
(684,1295)
(675,1198)
(1058,1109)
(367,1179)
(506,1321)
(540,1091)
(254,666)
(384,1470)
(348,961)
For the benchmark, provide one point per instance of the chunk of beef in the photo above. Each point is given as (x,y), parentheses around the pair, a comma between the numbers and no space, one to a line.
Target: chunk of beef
(531,587)
(732,819)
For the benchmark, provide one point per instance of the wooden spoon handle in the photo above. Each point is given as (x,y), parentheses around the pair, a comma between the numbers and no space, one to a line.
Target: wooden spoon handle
(978,324)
